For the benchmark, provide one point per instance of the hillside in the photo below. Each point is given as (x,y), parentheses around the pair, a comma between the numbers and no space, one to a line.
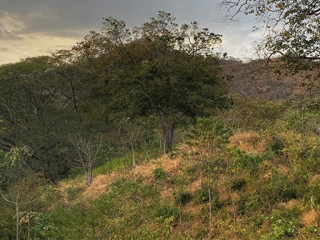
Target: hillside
(148,133)
(258,79)
(254,184)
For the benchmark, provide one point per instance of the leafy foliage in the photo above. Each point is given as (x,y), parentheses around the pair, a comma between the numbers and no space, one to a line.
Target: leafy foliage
(293,28)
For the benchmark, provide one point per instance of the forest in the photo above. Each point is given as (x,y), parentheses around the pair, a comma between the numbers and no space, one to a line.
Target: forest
(151,133)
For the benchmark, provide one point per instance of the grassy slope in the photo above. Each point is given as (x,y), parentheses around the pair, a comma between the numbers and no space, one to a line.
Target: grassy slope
(263,189)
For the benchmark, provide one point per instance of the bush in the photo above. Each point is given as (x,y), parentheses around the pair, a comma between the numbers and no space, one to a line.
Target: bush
(288,193)
(181,179)
(238,184)
(246,204)
(276,145)
(242,208)
(51,194)
(285,223)
(75,172)
(148,191)
(166,211)
(201,196)
(73,192)
(249,162)
(279,188)
(182,197)
(115,164)
(159,174)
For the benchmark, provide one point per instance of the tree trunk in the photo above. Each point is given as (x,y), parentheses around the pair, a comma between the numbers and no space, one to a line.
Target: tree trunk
(210,203)
(89,176)
(133,155)
(167,135)
(17,219)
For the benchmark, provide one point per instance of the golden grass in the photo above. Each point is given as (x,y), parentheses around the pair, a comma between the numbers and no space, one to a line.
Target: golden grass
(249,142)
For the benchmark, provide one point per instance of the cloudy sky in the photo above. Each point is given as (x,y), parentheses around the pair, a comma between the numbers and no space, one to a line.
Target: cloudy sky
(38,27)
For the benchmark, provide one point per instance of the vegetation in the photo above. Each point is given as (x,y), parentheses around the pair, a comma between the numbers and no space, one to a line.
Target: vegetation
(88,148)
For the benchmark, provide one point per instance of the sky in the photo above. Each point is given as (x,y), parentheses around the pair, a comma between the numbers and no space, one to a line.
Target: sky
(39,27)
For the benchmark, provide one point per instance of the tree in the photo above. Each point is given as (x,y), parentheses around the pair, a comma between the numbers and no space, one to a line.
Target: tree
(160,69)
(24,186)
(17,205)
(208,137)
(30,113)
(40,106)
(293,28)
(87,153)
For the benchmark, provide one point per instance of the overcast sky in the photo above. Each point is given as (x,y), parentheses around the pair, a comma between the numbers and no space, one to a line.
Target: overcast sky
(38,27)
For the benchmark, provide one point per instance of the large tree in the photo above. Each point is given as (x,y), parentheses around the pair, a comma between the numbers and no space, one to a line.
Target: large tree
(160,68)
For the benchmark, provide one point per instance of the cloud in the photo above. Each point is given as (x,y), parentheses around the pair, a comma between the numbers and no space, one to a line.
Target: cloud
(10,24)
(51,23)
(9,35)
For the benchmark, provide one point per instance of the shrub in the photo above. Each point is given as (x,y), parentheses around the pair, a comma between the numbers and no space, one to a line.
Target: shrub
(181,179)
(249,162)
(159,174)
(285,223)
(248,203)
(75,172)
(115,164)
(279,188)
(191,169)
(201,196)
(182,197)
(166,211)
(242,208)
(238,184)
(51,194)
(73,192)
(276,145)
(148,191)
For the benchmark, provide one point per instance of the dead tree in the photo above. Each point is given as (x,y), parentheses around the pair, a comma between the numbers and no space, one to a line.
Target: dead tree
(87,153)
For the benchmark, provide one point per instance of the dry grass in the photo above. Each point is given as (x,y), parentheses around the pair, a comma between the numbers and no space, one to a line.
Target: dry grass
(309,218)
(195,185)
(249,142)
(166,193)
(101,182)
(99,185)
(292,204)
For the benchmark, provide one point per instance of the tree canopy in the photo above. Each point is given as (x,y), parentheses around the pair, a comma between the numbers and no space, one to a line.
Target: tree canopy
(160,68)
(293,27)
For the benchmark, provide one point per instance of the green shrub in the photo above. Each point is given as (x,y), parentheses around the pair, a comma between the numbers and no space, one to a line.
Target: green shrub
(181,179)
(315,194)
(201,196)
(277,145)
(159,174)
(182,197)
(288,193)
(115,164)
(238,184)
(73,192)
(242,207)
(249,162)
(191,169)
(248,203)
(285,223)
(75,172)
(278,188)
(148,191)
(166,211)
(51,194)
